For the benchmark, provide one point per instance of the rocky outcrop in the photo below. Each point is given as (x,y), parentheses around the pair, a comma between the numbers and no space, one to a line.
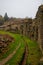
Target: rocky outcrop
(5,40)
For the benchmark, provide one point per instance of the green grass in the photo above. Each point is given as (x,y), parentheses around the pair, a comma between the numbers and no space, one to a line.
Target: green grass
(34,54)
(18,56)
(15,60)
(13,45)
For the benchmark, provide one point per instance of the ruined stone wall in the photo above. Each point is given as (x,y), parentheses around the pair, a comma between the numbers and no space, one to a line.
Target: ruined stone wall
(39,17)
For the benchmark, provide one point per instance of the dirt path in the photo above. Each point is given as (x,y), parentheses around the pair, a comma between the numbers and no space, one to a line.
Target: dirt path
(25,55)
(9,57)
(41,59)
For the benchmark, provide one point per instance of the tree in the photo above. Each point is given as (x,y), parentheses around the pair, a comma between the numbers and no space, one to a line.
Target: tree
(6,17)
(1,20)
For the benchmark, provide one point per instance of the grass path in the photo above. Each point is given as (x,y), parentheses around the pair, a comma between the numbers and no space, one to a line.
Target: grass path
(25,56)
(25,53)
(9,57)
(34,54)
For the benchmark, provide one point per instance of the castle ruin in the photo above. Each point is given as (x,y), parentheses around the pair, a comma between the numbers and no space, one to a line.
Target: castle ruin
(33,28)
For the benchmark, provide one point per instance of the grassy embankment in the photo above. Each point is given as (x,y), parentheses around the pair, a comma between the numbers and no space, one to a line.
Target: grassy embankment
(12,46)
(33,49)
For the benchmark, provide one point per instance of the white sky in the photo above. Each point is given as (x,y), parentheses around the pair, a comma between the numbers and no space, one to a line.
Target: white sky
(19,8)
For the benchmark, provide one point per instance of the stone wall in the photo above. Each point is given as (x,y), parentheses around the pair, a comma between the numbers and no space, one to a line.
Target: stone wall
(40,26)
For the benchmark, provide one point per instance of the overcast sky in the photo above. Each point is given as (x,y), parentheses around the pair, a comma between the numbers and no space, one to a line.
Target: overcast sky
(19,8)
